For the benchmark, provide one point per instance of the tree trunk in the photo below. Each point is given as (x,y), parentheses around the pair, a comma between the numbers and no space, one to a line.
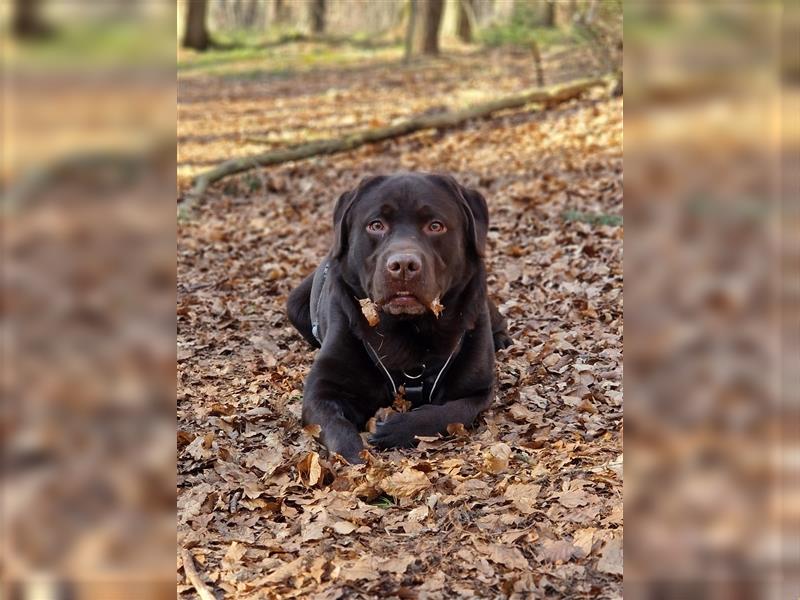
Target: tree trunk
(428,23)
(27,20)
(537,63)
(196,35)
(280,12)
(549,19)
(252,15)
(317,10)
(412,24)
(464,24)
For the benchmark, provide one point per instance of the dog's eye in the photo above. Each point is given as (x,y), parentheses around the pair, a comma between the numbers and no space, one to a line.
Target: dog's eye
(376,226)
(436,227)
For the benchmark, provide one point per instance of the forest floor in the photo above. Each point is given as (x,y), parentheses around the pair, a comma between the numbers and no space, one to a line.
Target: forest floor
(528,503)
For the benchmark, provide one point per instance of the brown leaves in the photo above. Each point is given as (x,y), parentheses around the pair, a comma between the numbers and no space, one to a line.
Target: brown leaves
(611,561)
(265,460)
(523,496)
(344,527)
(405,484)
(200,447)
(583,539)
(507,556)
(557,551)
(370,568)
(234,555)
(573,494)
(309,469)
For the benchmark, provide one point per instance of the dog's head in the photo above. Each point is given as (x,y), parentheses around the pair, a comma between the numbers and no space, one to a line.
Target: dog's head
(407,239)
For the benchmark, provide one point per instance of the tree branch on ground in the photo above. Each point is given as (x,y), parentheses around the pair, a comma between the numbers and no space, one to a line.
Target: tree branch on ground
(193,576)
(442,120)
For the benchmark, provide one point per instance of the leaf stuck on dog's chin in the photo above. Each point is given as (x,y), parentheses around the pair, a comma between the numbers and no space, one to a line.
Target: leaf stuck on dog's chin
(436,307)
(370,311)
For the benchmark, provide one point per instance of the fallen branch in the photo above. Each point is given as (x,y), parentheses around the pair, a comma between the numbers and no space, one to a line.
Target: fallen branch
(194,577)
(548,96)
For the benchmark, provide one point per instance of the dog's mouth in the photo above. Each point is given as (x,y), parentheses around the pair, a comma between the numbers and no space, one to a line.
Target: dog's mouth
(404,303)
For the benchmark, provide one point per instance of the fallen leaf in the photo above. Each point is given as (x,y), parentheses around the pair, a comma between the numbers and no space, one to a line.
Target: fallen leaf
(523,414)
(284,571)
(400,404)
(364,568)
(200,448)
(574,495)
(344,527)
(398,566)
(309,469)
(457,429)
(611,560)
(234,555)
(507,556)
(496,458)
(313,531)
(405,484)
(264,459)
(523,496)
(583,539)
(557,551)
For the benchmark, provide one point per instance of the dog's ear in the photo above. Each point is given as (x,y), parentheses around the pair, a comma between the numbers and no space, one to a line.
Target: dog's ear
(341,227)
(475,209)
(477,216)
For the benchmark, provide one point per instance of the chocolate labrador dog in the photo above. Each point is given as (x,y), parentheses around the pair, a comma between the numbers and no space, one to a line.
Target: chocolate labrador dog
(399,306)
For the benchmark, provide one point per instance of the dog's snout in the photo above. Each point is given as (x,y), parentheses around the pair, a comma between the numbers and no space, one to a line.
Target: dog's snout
(403,266)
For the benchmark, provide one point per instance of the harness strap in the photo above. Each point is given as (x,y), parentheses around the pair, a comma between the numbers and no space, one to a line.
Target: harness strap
(315,306)
(417,390)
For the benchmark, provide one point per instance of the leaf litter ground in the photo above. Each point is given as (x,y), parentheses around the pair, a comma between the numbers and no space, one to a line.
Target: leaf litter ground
(526,504)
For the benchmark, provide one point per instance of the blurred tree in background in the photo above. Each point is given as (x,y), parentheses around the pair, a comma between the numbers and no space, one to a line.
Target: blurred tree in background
(428,16)
(196,34)
(317,14)
(28,21)
(421,27)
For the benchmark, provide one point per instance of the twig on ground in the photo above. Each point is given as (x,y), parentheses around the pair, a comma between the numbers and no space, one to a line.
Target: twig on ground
(194,578)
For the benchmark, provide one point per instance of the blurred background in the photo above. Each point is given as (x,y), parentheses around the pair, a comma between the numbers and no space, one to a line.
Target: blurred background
(239,64)
(710,290)
(88,258)
(88,300)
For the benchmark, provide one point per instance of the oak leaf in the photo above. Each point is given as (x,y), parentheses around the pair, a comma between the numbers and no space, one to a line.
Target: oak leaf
(405,484)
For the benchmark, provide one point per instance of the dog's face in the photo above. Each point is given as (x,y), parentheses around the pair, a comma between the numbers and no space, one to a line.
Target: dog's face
(407,239)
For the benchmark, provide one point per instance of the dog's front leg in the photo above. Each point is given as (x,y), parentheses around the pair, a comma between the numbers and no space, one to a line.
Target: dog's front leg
(337,433)
(329,404)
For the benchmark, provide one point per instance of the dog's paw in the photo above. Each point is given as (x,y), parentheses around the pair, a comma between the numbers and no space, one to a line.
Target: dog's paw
(396,432)
(347,445)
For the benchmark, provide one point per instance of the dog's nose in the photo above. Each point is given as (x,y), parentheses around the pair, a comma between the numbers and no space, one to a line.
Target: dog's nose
(403,266)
